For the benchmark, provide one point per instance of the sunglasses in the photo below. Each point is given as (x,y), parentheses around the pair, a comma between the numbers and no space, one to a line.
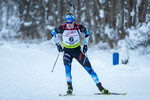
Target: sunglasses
(69,22)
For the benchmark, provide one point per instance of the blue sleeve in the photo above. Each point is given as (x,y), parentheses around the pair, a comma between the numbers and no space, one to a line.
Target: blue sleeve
(86,37)
(53,32)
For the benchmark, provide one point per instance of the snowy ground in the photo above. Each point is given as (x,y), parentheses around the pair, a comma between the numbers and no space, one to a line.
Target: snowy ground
(25,74)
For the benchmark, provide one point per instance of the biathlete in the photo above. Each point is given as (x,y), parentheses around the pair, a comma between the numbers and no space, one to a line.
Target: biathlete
(71,46)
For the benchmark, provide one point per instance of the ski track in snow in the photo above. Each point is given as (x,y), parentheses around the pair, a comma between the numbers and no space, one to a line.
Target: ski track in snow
(25,74)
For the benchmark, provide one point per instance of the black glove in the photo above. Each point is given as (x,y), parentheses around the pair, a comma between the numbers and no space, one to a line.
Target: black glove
(85,48)
(59,47)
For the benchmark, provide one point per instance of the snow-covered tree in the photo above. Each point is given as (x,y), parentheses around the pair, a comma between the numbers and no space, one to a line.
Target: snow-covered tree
(107,20)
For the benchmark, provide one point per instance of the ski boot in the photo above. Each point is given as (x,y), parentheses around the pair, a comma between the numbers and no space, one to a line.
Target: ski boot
(70,88)
(102,89)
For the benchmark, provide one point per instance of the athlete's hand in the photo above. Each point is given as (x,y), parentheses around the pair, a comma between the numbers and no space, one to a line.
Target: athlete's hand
(85,48)
(59,47)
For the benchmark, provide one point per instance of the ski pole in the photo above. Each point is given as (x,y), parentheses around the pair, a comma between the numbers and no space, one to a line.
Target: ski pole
(55,62)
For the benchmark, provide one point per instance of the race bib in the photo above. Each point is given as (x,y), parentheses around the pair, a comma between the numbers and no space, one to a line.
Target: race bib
(71,38)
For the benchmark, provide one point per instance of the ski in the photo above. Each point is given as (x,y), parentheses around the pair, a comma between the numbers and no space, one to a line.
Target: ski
(66,94)
(111,93)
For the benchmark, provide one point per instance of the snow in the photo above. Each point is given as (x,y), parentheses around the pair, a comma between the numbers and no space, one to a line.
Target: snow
(132,13)
(110,32)
(139,36)
(27,23)
(50,27)
(101,13)
(102,1)
(25,74)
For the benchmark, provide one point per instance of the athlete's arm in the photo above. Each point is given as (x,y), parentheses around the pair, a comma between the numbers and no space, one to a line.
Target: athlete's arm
(56,31)
(86,32)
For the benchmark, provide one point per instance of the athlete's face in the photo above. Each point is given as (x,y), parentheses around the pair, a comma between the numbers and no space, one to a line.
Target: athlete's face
(69,24)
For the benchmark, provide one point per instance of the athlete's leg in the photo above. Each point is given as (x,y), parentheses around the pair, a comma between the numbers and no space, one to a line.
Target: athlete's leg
(67,59)
(84,61)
